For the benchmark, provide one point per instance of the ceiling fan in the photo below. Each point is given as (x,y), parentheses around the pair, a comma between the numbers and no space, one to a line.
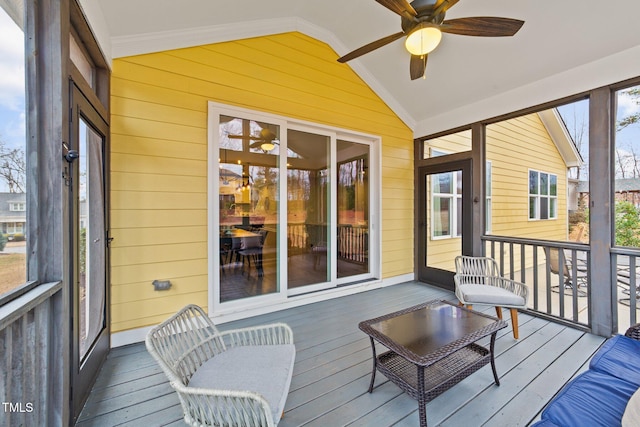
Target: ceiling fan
(266,140)
(423,23)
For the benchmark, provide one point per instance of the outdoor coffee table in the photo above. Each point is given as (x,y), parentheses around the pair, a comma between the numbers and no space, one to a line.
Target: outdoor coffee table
(431,348)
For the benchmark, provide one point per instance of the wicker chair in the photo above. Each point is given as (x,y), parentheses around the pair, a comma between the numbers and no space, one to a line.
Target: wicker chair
(234,378)
(478,281)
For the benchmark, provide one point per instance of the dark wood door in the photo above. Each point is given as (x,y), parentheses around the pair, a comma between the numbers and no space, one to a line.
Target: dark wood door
(444,220)
(87,162)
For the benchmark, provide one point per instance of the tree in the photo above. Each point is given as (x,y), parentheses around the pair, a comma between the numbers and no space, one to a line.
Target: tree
(13,168)
(627,224)
(635,117)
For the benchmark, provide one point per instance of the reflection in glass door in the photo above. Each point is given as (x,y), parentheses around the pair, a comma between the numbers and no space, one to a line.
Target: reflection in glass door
(248,208)
(91,245)
(290,208)
(353,209)
(308,208)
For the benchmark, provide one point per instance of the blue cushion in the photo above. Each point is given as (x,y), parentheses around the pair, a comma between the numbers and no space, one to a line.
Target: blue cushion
(591,399)
(617,357)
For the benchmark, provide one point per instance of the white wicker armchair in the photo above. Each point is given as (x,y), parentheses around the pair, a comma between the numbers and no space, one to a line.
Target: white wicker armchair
(478,281)
(234,378)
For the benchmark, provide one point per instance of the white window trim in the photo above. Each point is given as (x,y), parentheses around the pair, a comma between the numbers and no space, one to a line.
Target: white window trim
(375,213)
(452,196)
(17,207)
(539,196)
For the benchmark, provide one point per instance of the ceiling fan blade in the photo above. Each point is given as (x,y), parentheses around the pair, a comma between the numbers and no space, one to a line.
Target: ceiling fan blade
(246,137)
(483,26)
(401,7)
(417,66)
(371,46)
(443,6)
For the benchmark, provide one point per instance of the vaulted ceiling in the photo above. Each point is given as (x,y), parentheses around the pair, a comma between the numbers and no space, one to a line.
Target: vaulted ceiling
(565,47)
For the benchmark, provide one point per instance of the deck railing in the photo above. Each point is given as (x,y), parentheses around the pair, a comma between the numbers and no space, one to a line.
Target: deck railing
(557,274)
(353,240)
(627,282)
(31,354)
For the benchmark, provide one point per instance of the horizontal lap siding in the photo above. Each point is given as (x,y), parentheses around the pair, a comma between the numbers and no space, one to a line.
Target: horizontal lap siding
(513,147)
(159,156)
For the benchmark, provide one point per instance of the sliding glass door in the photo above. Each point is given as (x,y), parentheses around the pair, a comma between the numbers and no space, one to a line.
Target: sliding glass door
(272,238)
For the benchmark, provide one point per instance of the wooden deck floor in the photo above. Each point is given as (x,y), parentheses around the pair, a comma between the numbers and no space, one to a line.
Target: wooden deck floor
(333,367)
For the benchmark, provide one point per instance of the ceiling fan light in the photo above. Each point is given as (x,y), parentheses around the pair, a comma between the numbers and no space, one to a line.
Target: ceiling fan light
(423,40)
(267,146)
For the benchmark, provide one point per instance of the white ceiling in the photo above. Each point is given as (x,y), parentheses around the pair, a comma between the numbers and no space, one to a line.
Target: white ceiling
(564,47)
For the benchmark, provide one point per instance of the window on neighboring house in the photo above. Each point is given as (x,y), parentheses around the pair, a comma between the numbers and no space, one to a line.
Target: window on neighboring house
(17,207)
(543,195)
(15,228)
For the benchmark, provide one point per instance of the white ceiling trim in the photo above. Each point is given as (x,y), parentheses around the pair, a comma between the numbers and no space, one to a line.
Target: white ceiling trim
(122,46)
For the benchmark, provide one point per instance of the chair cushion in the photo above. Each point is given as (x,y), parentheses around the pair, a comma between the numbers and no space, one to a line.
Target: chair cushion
(265,370)
(614,358)
(591,399)
(487,294)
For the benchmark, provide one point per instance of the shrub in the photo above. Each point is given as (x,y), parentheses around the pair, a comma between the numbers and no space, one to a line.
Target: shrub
(18,237)
(3,242)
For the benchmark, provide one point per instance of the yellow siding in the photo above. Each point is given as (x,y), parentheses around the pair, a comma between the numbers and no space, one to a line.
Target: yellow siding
(513,147)
(159,156)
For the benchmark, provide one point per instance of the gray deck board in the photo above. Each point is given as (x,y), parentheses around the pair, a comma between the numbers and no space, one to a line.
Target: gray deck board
(333,368)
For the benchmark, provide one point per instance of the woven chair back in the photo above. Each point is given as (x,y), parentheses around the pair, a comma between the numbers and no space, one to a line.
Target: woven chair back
(184,342)
(477,266)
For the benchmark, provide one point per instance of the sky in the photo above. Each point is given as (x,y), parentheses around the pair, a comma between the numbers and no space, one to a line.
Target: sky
(12,86)
(575,116)
(12,90)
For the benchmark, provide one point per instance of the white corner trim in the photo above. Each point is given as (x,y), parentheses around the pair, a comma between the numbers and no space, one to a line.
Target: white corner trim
(132,336)
(122,46)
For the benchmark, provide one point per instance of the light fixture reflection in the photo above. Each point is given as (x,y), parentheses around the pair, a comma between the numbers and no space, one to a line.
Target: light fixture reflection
(423,40)
(267,146)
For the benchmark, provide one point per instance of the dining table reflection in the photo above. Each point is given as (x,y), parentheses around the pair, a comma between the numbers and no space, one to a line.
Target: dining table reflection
(239,246)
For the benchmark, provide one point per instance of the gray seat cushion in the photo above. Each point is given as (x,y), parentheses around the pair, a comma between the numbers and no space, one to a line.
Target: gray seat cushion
(265,370)
(487,294)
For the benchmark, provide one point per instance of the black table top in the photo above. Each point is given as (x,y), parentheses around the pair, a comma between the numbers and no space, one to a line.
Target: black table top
(427,332)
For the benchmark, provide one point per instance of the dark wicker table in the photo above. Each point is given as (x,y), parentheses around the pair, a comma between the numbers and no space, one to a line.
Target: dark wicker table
(431,348)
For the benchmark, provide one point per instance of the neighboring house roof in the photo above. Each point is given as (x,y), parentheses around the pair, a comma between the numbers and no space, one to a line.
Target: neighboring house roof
(560,135)
(621,185)
(6,214)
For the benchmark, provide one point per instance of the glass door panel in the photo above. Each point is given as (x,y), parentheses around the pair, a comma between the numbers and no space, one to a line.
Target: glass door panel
(353,209)
(308,209)
(91,245)
(248,208)
(443,220)
(86,162)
